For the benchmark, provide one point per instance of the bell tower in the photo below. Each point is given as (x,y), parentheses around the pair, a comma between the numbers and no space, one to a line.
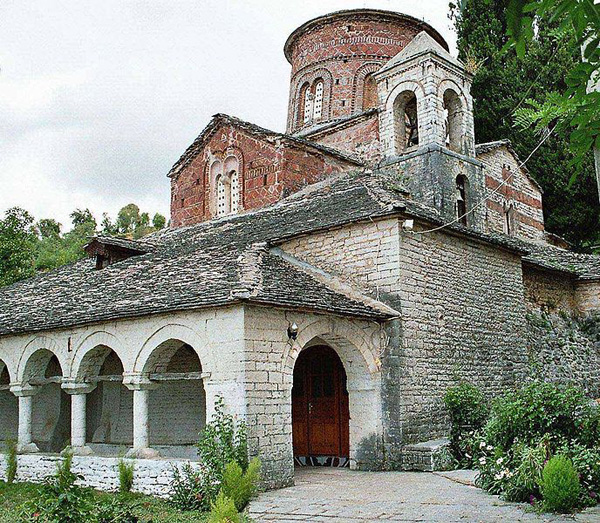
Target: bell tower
(427,131)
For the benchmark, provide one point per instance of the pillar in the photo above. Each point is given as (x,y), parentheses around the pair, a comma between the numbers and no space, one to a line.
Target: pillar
(78,393)
(25,442)
(141,435)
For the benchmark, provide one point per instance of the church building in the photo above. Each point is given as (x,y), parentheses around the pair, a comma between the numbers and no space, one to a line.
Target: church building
(328,282)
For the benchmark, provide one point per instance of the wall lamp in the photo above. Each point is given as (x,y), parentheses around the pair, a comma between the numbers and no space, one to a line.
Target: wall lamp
(292,331)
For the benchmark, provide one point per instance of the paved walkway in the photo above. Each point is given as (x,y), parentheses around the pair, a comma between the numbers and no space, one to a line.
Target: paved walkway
(331,495)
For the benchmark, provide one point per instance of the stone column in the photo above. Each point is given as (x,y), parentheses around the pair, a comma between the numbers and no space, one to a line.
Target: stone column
(78,393)
(141,435)
(25,440)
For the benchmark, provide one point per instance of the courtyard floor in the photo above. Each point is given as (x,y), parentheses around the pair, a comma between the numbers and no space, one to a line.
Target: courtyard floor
(330,494)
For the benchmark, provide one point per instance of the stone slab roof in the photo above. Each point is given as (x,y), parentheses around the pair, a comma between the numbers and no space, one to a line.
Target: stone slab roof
(219,120)
(228,260)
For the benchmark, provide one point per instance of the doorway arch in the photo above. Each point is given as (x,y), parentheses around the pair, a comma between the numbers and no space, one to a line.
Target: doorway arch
(320,408)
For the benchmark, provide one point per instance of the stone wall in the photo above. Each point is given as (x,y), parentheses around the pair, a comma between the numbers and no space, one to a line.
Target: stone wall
(9,407)
(509,185)
(587,293)
(151,477)
(548,291)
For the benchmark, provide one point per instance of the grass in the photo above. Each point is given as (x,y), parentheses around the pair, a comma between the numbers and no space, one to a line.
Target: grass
(147,508)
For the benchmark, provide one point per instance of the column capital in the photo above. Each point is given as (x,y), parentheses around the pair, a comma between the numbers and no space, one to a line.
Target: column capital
(23,389)
(77,387)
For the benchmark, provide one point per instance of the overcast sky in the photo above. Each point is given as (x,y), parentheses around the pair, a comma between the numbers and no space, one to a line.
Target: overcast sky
(98,98)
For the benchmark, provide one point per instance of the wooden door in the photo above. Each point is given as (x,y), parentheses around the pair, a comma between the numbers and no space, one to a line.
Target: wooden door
(320,410)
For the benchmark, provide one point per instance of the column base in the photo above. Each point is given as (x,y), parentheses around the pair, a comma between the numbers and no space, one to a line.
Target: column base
(143,453)
(81,451)
(29,448)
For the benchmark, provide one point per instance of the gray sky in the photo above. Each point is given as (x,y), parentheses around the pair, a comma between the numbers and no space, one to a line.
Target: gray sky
(99,98)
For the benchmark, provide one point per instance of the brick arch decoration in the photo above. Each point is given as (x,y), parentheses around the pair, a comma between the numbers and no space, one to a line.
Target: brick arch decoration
(35,357)
(160,347)
(359,82)
(310,78)
(210,178)
(93,350)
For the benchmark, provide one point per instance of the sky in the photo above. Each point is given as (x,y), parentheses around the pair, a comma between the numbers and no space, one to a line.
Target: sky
(99,98)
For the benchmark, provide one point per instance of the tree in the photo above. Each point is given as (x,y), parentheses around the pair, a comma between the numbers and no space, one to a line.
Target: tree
(17,244)
(159,221)
(501,84)
(48,228)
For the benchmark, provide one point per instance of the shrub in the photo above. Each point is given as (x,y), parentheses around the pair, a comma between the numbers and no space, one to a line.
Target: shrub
(222,442)
(11,460)
(241,486)
(113,510)
(59,499)
(468,413)
(587,463)
(125,476)
(223,511)
(537,409)
(192,489)
(560,485)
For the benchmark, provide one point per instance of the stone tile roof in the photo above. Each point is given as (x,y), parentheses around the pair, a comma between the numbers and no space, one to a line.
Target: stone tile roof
(227,261)
(337,124)
(122,243)
(581,266)
(220,119)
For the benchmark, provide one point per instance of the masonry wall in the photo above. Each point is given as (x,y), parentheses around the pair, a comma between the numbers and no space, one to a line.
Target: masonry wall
(508,184)
(268,170)
(360,137)
(549,291)
(9,407)
(587,293)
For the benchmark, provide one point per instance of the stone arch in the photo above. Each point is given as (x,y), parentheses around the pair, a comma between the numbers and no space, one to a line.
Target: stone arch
(100,342)
(36,353)
(362,72)
(9,407)
(405,104)
(358,357)
(149,357)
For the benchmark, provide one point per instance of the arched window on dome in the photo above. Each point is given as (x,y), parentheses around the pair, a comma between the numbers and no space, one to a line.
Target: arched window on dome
(453,110)
(462,203)
(406,123)
(318,100)
(369,92)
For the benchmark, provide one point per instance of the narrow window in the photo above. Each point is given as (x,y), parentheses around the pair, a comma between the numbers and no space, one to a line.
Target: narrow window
(318,103)
(221,197)
(453,120)
(234,187)
(509,219)
(307,104)
(369,92)
(461,199)
(406,121)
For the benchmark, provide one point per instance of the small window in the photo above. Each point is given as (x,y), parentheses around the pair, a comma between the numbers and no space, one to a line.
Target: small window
(510,215)
(453,120)
(234,187)
(318,103)
(462,207)
(307,105)
(406,121)
(222,204)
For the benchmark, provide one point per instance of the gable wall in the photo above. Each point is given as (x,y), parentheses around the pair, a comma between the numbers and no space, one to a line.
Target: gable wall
(548,291)
(268,170)
(519,189)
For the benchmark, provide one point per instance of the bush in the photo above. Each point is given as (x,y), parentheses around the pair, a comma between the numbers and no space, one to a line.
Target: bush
(587,463)
(113,510)
(59,499)
(468,413)
(223,511)
(560,485)
(241,486)
(125,476)
(192,489)
(537,409)
(11,460)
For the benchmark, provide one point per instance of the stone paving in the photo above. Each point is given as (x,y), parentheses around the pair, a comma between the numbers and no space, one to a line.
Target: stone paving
(329,494)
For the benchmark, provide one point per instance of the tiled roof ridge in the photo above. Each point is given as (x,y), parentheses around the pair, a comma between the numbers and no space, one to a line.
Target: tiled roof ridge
(249,271)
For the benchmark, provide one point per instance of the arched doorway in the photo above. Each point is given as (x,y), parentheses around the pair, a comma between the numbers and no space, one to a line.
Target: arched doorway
(320,408)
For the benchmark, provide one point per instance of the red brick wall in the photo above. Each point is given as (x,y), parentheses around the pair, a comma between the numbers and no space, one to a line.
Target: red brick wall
(358,137)
(342,49)
(269,170)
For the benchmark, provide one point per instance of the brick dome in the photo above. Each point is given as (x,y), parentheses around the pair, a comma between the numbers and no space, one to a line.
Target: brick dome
(333,55)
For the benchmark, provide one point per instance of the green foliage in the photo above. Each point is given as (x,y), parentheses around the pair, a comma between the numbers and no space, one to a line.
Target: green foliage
(222,441)
(468,413)
(59,499)
(537,409)
(113,510)
(11,460)
(586,461)
(125,475)
(241,486)
(501,85)
(17,243)
(192,489)
(223,511)
(560,485)
(131,223)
